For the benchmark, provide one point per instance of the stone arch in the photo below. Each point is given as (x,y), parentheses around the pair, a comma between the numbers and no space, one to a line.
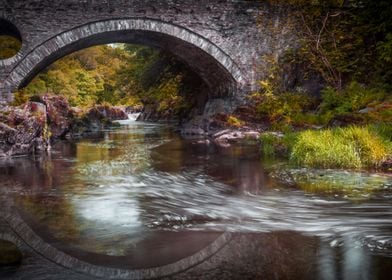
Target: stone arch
(214,66)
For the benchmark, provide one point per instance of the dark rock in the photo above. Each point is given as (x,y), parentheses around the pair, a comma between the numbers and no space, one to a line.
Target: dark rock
(387,165)
(346,120)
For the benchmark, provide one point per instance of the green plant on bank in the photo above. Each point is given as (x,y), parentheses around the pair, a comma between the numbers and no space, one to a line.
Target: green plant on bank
(287,109)
(234,121)
(351,99)
(273,145)
(382,129)
(350,147)
(345,44)
(278,107)
(343,41)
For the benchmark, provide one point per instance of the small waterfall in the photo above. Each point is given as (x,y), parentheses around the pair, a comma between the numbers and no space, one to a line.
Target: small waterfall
(133,116)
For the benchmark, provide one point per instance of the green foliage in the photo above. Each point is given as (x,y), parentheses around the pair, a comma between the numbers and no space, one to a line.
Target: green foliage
(268,145)
(121,75)
(351,99)
(284,108)
(383,130)
(354,98)
(273,145)
(343,41)
(9,46)
(84,77)
(350,147)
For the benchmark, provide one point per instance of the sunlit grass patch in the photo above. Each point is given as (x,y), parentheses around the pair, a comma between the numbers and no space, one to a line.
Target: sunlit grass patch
(350,147)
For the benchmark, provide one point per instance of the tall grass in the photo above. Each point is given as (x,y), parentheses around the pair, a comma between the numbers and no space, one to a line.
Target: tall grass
(349,147)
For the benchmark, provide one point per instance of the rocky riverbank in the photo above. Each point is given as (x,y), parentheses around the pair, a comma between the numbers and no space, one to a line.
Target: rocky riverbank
(225,129)
(33,126)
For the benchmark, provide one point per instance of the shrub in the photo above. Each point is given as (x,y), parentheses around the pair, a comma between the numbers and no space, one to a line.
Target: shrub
(233,121)
(353,98)
(350,147)
(383,129)
(285,107)
(268,145)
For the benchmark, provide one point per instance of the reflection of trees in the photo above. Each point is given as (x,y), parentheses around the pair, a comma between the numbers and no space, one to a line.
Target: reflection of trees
(36,187)
(55,213)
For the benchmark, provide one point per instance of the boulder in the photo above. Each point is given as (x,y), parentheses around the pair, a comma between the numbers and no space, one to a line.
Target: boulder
(227,137)
(59,114)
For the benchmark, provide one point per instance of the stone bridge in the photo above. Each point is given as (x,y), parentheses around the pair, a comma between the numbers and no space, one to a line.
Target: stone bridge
(224,41)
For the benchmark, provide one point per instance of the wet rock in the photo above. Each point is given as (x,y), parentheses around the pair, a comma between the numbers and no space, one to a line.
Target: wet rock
(226,138)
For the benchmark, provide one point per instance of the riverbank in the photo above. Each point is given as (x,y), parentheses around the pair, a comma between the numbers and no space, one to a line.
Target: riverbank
(33,126)
(351,145)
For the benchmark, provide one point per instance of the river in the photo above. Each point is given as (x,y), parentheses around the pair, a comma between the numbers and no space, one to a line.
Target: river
(138,196)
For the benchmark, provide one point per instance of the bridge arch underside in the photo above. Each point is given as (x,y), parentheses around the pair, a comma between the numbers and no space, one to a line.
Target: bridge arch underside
(215,68)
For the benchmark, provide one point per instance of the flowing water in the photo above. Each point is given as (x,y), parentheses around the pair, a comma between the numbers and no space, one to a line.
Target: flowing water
(137,190)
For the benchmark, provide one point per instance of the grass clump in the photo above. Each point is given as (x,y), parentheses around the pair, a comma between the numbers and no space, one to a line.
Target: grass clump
(350,147)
